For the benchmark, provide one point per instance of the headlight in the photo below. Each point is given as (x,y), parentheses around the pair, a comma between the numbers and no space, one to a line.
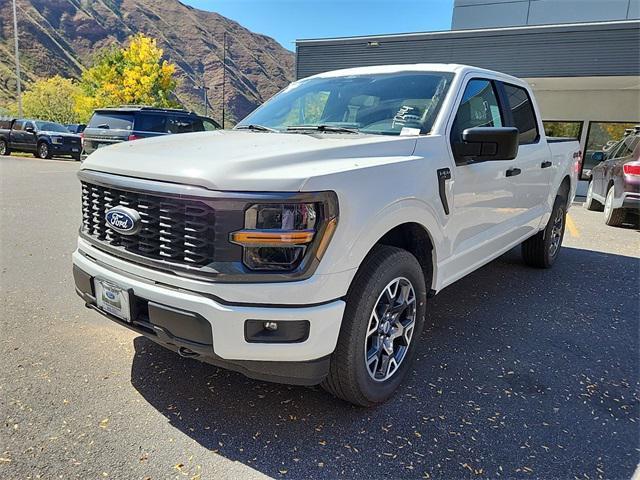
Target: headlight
(280,236)
(56,140)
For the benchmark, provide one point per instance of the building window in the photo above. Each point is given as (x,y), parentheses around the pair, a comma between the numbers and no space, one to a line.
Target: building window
(602,137)
(524,118)
(553,128)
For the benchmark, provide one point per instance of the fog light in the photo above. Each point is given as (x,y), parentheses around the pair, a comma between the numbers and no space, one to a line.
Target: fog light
(271,326)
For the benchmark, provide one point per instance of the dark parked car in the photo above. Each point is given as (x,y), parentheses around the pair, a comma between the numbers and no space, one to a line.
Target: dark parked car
(615,180)
(113,125)
(76,127)
(43,139)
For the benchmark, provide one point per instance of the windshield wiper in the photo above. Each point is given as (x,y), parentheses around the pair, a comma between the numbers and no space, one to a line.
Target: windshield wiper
(323,128)
(258,128)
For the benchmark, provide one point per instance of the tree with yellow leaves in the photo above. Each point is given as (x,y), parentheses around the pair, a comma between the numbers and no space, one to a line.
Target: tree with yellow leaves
(132,75)
(52,99)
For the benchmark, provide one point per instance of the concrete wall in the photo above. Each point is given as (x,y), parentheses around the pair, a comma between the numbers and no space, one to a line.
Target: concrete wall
(594,105)
(502,13)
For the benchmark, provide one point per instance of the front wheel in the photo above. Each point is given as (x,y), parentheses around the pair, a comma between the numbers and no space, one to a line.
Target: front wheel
(43,150)
(542,249)
(612,216)
(381,326)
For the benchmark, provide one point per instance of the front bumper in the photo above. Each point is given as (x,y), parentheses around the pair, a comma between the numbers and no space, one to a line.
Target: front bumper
(63,149)
(217,330)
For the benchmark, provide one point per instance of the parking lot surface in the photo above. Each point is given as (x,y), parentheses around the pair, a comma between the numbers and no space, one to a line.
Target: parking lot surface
(521,373)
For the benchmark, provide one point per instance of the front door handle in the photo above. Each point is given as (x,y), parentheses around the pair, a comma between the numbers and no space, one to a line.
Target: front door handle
(546,164)
(512,172)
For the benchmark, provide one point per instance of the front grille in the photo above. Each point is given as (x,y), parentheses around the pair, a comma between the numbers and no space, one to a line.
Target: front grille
(173,229)
(70,141)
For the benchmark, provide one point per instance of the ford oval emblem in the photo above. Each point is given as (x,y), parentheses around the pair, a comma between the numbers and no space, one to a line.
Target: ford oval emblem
(123,220)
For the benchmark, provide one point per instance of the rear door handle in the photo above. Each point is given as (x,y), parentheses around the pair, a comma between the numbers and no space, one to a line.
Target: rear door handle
(512,172)
(546,164)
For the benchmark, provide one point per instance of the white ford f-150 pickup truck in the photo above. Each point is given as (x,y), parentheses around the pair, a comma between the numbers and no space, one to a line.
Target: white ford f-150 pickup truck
(302,246)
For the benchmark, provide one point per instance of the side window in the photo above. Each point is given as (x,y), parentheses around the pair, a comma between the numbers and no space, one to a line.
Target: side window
(184,125)
(17,125)
(479,108)
(524,118)
(150,123)
(627,147)
(208,125)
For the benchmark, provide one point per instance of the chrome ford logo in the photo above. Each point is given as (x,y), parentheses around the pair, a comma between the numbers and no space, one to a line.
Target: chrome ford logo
(123,220)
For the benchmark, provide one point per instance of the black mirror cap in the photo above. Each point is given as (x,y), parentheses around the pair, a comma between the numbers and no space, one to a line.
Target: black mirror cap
(482,144)
(30,129)
(597,156)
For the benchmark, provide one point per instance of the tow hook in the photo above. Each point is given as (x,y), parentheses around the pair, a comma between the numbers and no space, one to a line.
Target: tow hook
(186,353)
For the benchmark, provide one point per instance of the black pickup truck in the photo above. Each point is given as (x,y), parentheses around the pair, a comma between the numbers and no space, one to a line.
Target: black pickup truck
(43,139)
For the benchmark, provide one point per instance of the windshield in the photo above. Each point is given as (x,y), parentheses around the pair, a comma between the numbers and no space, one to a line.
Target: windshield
(382,104)
(51,127)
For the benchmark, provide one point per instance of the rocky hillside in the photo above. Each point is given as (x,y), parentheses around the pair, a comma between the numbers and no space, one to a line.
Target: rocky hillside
(61,36)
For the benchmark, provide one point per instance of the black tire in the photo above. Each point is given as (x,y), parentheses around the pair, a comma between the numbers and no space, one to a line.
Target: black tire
(349,374)
(591,203)
(43,151)
(613,217)
(4,148)
(541,250)
(77,157)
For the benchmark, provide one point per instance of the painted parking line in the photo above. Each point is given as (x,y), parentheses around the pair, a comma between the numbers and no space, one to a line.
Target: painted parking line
(571,227)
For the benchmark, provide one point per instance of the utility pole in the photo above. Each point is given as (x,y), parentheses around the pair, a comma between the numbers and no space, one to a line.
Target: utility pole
(15,38)
(205,93)
(224,72)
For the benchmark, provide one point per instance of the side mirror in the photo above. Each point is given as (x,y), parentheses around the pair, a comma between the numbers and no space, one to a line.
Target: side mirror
(481,144)
(30,129)
(597,157)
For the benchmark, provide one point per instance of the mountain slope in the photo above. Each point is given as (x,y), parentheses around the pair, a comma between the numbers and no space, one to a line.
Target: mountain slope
(61,37)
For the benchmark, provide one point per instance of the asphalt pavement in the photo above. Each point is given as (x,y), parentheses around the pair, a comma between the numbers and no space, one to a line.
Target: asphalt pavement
(521,373)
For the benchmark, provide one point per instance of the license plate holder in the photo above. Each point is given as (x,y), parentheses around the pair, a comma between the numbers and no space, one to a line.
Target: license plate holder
(113,299)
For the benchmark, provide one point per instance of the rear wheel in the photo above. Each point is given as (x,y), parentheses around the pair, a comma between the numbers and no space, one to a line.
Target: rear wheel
(4,148)
(591,203)
(612,216)
(43,150)
(542,249)
(381,326)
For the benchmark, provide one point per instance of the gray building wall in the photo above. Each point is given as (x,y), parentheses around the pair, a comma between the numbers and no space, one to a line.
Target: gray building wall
(596,49)
(504,13)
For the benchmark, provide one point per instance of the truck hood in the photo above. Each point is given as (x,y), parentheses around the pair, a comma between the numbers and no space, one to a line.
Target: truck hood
(53,133)
(246,160)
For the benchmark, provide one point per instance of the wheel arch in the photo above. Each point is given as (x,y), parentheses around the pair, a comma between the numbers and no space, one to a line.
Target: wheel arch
(414,237)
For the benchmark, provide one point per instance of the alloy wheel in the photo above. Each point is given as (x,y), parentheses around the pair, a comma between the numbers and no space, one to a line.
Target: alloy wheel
(608,203)
(390,329)
(43,150)
(556,232)
(3,148)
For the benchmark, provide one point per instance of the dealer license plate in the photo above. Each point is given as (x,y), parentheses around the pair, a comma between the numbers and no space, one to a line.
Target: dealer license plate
(113,299)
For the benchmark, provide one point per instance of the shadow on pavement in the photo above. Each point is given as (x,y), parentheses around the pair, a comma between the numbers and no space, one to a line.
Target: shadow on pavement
(520,372)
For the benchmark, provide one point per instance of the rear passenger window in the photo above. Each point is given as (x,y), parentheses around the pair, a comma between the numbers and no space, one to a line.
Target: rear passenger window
(184,125)
(151,123)
(479,108)
(524,119)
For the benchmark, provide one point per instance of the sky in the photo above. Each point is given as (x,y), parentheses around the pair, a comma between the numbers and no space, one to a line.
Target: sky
(288,20)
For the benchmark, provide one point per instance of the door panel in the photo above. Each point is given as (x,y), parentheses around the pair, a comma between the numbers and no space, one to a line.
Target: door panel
(482,203)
